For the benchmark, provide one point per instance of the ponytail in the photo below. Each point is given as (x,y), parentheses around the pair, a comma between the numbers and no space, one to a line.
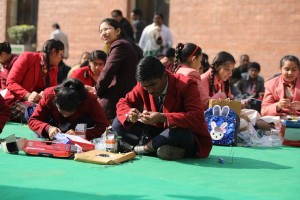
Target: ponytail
(70,94)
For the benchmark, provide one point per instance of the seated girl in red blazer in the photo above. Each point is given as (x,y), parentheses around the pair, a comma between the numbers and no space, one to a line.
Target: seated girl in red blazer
(188,63)
(282,93)
(30,75)
(4,113)
(216,80)
(63,107)
(7,60)
(88,75)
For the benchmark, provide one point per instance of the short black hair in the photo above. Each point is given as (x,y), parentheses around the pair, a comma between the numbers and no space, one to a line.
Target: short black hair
(98,54)
(160,14)
(149,68)
(5,47)
(56,26)
(254,65)
(137,11)
(170,53)
(118,12)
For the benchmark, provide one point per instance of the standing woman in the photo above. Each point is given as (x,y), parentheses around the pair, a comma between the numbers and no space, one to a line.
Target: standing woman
(188,62)
(282,93)
(216,80)
(63,107)
(30,75)
(7,60)
(118,75)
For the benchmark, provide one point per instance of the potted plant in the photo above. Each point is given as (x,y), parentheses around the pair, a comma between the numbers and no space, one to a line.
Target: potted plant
(22,38)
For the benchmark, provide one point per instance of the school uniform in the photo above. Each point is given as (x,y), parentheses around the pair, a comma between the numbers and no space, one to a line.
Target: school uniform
(195,75)
(180,106)
(219,85)
(85,75)
(27,76)
(275,90)
(4,71)
(4,113)
(46,113)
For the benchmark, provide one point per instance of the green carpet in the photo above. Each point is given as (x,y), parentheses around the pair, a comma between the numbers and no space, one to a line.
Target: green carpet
(251,173)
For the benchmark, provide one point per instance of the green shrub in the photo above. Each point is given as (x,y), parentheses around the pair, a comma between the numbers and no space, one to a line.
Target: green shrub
(22,34)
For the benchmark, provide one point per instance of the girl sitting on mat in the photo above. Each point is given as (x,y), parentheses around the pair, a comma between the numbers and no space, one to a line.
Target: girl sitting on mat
(282,93)
(188,62)
(63,107)
(216,80)
(31,73)
(88,75)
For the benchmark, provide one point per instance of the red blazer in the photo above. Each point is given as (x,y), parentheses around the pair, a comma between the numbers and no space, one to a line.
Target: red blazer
(4,113)
(274,91)
(195,75)
(5,71)
(181,107)
(47,110)
(205,80)
(84,74)
(24,76)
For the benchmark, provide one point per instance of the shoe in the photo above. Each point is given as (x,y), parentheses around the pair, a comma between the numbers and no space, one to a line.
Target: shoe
(216,110)
(225,111)
(167,152)
(139,150)
(124,147)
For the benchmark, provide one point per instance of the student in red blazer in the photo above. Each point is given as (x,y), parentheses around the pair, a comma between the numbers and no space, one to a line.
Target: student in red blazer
(175,128)
(188,62)
(4,113)
(282,93)
(30,75)
(7,60)
(216,80)
(88,75)
(63,107)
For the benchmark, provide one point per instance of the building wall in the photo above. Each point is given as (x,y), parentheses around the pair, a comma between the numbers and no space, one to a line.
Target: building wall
(266,30)
(3,14)
(79,20)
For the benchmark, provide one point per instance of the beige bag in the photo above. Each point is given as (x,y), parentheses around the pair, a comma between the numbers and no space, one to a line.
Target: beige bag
(234,105)
(103,157)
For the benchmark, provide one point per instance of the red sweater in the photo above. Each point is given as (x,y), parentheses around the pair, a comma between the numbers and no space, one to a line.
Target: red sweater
(6,69)
(4,113)
(25,75)
(85,75)
(47,110)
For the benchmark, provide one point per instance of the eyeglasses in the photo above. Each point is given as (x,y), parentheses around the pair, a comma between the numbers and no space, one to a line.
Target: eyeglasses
(104,30)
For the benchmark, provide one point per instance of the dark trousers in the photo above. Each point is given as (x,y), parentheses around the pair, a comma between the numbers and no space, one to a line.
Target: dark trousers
(140,133)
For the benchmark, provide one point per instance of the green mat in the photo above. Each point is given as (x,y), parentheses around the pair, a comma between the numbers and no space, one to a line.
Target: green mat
(251,173)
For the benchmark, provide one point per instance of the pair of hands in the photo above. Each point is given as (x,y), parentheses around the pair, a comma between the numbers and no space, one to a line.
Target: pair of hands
(53,130)
(287,104)
(34,97)
(146,117)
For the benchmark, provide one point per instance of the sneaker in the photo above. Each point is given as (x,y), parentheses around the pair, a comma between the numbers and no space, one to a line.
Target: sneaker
(139,150)
(216,110)
(124,147)
(225,111)
(167,152)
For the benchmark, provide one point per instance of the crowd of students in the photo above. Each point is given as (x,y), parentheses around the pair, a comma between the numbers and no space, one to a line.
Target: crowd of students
(156,103)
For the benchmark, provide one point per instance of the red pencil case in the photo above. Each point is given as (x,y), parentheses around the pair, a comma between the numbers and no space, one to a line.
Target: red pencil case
(49,149)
